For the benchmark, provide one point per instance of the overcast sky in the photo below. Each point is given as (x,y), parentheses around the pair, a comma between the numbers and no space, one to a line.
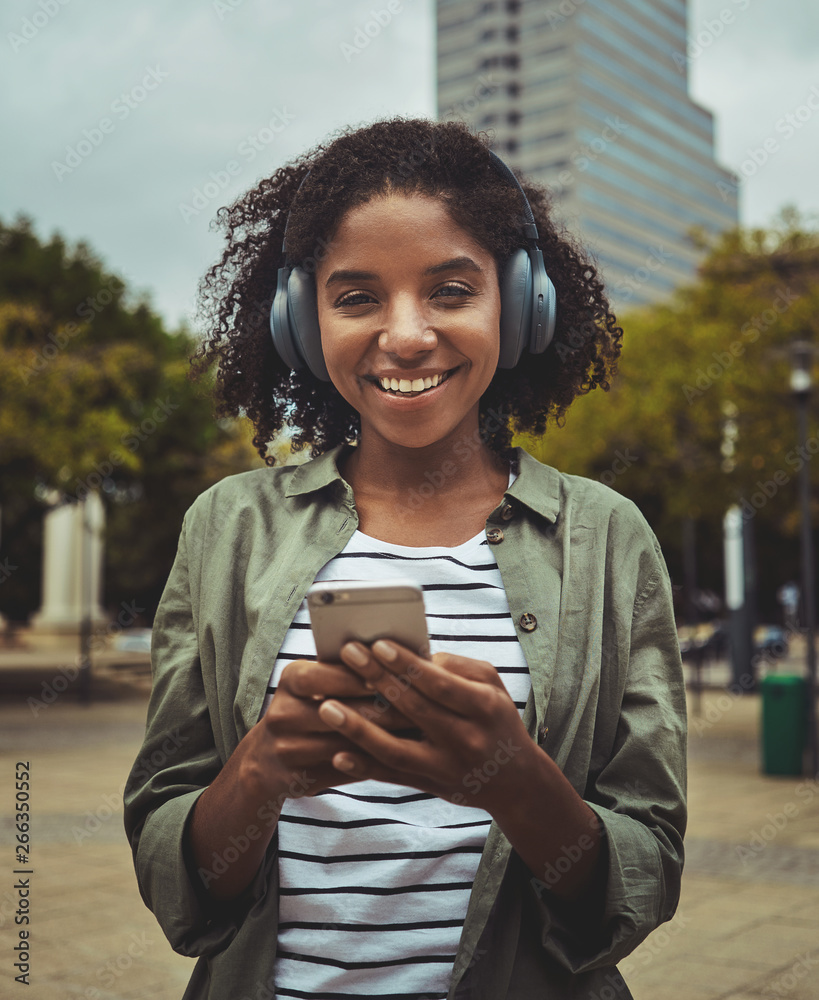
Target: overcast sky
(170,93)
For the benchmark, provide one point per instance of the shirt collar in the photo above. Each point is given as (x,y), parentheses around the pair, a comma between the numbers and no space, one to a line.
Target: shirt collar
(317,473)
(537,485)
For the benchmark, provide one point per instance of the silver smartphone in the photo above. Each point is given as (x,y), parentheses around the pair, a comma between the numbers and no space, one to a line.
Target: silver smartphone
(364,611)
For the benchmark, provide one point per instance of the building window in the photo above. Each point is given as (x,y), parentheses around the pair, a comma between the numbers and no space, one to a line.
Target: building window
(512,61)
(488,34)
(513,118)
(511,145)
(513,6)
(487,7)
(513,89)
(512,33)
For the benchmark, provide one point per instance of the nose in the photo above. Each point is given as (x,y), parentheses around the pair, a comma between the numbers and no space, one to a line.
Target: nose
(407,331)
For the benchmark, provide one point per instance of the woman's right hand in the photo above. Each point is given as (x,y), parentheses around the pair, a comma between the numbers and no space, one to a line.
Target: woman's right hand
(289,751)
(287,754)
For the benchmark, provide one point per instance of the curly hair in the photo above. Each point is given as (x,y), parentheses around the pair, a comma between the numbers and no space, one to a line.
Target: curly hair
(410,156)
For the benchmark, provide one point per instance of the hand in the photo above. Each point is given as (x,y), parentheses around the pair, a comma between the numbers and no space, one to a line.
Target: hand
(290,748)
(287,754)
(471,727)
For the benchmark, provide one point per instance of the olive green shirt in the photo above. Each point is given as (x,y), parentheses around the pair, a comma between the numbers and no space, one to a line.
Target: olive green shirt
(589,592)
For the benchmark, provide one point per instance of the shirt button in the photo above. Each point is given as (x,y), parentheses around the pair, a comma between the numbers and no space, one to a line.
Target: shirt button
(494,536)
(528,622)
(508,511)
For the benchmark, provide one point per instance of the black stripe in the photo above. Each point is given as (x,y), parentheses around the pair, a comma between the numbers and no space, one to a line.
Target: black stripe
(470,617)
(297,656)
(310,995)
(415,925)
(386,856)
(475,617)
(461,586)
(473,638)
(338,964)
(416,797)
(372,890)
(356,823)
(271,689)
(391,556)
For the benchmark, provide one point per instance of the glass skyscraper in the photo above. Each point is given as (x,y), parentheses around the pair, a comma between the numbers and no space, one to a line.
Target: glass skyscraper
(591,98)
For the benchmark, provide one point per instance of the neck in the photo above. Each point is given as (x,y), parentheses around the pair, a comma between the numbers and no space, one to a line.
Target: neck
(380,470)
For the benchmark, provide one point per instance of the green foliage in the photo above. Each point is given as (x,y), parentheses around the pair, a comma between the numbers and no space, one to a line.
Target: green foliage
(96,396)
(718,353)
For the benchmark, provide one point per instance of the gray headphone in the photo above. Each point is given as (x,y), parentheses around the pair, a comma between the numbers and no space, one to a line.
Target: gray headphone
(528,306)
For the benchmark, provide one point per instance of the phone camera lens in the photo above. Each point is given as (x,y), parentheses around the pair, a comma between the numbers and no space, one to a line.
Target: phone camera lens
(327,598)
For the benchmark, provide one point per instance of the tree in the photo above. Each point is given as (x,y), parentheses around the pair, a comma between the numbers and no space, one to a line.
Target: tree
(96,397)
(717,354)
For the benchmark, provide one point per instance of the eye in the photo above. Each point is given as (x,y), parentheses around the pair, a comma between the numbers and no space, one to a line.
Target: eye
(354,299)
(454,290)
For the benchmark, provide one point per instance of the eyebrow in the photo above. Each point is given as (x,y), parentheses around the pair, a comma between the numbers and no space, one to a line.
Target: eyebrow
(463,263)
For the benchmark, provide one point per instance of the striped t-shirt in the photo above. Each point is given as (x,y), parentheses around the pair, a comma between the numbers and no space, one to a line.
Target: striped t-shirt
(374,877)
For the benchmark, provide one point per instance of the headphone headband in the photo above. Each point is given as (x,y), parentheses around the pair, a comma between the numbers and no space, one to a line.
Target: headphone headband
(528,308)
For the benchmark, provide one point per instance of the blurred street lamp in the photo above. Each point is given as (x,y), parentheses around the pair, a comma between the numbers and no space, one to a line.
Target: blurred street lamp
(801,384)
(738,558)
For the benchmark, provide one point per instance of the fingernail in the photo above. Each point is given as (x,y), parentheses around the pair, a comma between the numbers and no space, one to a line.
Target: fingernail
(385,650)
(343,764)
(332,713)
(356,654)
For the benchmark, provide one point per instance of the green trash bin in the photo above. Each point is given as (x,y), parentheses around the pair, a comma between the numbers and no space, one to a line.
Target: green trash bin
(784,707)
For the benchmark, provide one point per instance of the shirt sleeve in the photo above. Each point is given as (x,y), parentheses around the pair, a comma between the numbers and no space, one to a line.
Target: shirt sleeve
(638,797)
(177,761)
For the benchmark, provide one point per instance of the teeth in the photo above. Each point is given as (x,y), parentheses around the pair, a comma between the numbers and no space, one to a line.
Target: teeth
(414,385)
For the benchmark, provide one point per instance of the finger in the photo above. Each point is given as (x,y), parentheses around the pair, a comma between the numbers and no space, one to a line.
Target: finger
(356,766)
(298,750)
(288,714)
(379,711)
(399,754)
(314,679)
(395,682)
(440,686)
(473,670)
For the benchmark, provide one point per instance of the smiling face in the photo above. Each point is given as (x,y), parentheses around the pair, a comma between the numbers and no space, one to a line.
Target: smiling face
(409,310)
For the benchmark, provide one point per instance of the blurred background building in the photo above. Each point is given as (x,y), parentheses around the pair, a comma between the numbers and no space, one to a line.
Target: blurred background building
(591,98)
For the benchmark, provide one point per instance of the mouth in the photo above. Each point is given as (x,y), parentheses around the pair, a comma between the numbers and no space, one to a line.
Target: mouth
(408,388)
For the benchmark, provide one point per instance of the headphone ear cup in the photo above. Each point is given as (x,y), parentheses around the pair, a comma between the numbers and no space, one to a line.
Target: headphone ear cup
(304,323)
(516,308)
(294,322)
(280,327)
(543,298)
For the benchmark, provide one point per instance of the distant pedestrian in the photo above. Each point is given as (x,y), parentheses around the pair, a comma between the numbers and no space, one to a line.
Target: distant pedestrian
(788,597)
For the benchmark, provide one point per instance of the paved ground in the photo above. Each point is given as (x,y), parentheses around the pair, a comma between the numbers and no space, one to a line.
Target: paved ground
(747,926)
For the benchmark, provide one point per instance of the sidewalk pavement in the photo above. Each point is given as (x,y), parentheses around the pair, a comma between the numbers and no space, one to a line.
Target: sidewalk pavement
(747,925)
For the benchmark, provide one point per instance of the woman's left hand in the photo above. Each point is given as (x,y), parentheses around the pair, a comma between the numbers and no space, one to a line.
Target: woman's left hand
(474,748)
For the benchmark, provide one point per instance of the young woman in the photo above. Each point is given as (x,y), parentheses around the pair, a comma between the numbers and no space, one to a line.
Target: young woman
(286,826)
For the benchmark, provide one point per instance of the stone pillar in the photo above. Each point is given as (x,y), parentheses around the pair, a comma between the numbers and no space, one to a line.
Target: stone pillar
(72,567)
